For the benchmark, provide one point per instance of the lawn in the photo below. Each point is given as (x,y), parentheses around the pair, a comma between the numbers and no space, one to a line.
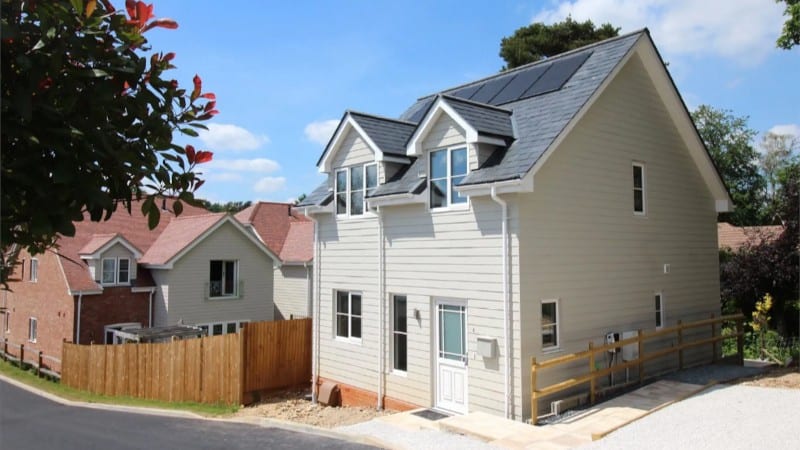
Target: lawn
(25,376)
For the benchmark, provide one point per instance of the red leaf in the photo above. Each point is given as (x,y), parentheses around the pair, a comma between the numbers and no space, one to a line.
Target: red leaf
(130,5)
(198,83)
(126,86)
(109,7)
(209,96)
(203,157)
(162,23)
(173,84)
(210,106)
(144,12)
(190,154)
(168,57)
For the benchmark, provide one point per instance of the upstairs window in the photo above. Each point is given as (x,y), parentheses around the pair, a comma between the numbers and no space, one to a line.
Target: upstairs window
(32,324)
(639,191)
(447,168)
(223,279)
(659,311)
(550,325)
(116,271)
(34,276)
(353,185)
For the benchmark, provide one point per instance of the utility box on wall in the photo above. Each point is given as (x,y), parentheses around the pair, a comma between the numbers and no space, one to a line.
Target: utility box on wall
(630,352)
(486,346)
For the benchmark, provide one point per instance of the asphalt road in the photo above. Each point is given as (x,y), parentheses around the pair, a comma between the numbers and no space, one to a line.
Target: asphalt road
(28,421)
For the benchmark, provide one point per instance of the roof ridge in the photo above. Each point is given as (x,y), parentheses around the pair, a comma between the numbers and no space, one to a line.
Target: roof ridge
(473,102)
(198,216)
(377,116)
(541,61)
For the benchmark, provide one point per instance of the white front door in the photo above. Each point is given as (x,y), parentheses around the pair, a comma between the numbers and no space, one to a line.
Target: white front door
(451,356)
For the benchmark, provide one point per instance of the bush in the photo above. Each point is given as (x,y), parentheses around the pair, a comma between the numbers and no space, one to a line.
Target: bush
(774,344)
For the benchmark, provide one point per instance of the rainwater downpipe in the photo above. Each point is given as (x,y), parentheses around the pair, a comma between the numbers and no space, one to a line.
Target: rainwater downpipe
(78,322)
(314,314)
(150,309)
(381,312)
(506,303)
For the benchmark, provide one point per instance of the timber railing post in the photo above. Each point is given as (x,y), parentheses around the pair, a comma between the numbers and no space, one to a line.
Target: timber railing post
(740,339)
(534,400)
(5,349)
(680,345)
(39,365)
(593,382)
(640,340)
(22,356)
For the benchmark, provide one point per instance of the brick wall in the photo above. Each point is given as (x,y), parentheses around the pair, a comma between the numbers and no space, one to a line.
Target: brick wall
(353,396)
(46,299)
(114,305)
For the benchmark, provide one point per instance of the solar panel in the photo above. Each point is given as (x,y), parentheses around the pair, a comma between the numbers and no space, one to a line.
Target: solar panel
(519,84)
(467,92)
(557,75)
(486,93)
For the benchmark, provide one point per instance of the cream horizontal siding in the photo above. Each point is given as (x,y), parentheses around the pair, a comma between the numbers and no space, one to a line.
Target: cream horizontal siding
(583,245)
(444,133)
(187,282)
(353,151)
(292,284)
(115,251)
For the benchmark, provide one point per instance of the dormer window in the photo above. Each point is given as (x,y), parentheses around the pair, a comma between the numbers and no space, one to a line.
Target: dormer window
(116,271)
(353,185)
(447,168)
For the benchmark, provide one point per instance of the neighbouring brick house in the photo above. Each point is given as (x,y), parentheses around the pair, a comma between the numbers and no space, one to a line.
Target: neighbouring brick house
(118,273)
(732,238)
(290,235)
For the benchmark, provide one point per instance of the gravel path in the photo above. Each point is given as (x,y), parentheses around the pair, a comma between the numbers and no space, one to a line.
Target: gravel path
(400,438)
(724,417)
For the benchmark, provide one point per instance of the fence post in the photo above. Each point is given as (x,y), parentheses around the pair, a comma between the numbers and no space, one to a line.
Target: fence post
(39,366)
(740,339)
(639,337)
(593,382)
(22,356)
(534,400)
(680,345)
(5,349)
(243,363)
(713,343)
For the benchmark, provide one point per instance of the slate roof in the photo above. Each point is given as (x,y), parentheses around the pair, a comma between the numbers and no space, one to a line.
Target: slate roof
(286,233)
(390,135)
(534,122)
(485,119)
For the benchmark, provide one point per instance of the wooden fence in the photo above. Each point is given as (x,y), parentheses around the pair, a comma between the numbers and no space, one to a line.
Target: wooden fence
(217,369)
(28,356)
(639,340)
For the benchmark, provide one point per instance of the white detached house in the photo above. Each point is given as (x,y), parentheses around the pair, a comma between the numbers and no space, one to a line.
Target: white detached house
(521,215)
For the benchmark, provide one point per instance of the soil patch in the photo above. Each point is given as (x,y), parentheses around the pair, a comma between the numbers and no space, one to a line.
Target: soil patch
(783,377)
(293,405)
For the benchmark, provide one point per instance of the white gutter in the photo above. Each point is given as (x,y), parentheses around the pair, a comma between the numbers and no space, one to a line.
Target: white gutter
(381,312)
(314,314)
(506,304)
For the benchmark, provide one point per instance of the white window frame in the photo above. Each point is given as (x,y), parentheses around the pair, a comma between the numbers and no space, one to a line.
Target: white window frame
(395,333)
(33,277)
(349,338)
(659,310)
(643,188)
(223,295)
(7,322)
(33,325)
(348,190)
(556,325)
(117,271)
(450,206)
(209,326)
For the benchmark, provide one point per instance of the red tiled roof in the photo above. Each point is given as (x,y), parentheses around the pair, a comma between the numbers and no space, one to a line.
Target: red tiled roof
(178,235)
(733,237)
(275,224)
(299,243)
(96,242)
(133,227)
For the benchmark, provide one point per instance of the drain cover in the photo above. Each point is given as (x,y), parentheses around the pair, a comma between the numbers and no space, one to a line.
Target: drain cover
(430,414)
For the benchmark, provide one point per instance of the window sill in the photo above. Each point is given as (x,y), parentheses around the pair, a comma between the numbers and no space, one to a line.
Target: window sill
(364,216)
(32,341)
(224,297)
(458,207)
(356,341)
(399,373)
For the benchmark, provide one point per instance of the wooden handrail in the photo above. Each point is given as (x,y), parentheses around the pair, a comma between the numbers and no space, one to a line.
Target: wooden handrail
(643,357)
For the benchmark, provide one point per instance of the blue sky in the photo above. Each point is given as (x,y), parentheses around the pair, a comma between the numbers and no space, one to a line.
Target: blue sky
(284,72)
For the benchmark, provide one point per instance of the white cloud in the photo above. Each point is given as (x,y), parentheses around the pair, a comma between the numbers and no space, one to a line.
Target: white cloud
(792,129)
(221,136)
(261,165)
(224,176)
(741,30)
(321,131)
(269,184)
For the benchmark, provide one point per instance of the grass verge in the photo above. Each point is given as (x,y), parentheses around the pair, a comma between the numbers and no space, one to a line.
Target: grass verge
(28,377)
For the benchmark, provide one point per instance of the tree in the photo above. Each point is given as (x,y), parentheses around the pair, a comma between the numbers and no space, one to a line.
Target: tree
(538,40)
(790,35)
(728,139)
(776,159)
(229,207)
(88,116)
